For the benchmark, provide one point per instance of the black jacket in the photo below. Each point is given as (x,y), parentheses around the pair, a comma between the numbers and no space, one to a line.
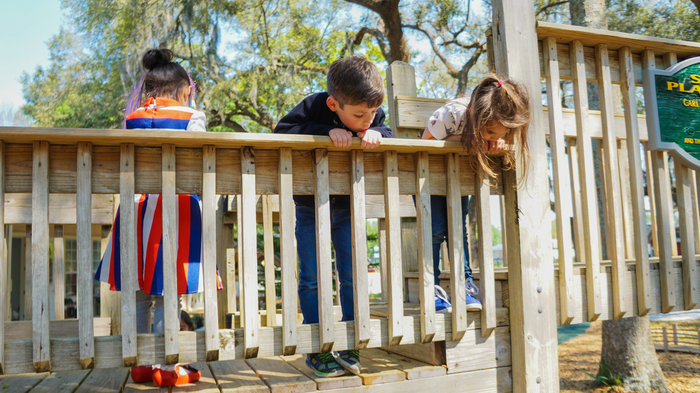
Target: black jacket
(313,117)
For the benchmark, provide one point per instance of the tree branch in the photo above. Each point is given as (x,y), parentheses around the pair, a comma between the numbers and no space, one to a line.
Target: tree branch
(552,5)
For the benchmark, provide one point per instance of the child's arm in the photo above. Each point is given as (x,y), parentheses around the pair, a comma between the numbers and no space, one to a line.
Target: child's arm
(494,147)
(451,138)
(198,122)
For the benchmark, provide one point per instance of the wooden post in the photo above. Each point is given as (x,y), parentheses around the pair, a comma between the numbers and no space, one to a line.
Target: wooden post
(288,254)
(171,320)
(572,149)
(652,200)
(400,81)
(359,250)
(487,281)
(641,249)
(326,318)
(614,230)
(675,334)
(426,272)
(211,321)
(393,247)
(560,183)
(84,244)
(665,339)
(59,273)
(530,268)
(455,233)
(269,253)
(127,254)
(40,257)
(3,261)
(591,241)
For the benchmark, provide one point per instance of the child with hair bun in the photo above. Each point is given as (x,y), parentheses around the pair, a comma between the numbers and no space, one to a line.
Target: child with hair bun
(497,114)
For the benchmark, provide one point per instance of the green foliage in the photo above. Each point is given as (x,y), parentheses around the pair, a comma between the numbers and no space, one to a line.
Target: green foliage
(675,19)
(605,376)
(496,235)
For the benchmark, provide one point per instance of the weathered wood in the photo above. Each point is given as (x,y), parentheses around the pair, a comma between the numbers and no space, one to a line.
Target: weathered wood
(561,181)
(393,248)
(455,233)
(288,255)
(249,245)
(401,81)
(132,387)
(412,368)
(344,381)
(269,249)
(652,200)
(614,231)
(430,353)
(236,376)
(59,273)
(84,255)
(280,376)
(22,330)
(127,254)
(26,276)
(40,257)
(206,384)
(591,241)
(685,217)
(359,250)
(374,373)
(239,260)
(476,352)
(426,279)
(530,268)
(61,382)
(487,294)
(21,383)
(625,195)
(104,380)
(4,271)
(209,251)
(323,249)
(169,211)
(576,196)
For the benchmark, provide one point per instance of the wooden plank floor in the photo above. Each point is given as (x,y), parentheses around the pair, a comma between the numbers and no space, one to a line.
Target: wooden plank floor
(275,374)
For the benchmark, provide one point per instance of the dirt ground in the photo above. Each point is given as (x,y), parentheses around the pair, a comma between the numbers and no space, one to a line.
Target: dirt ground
(582,354)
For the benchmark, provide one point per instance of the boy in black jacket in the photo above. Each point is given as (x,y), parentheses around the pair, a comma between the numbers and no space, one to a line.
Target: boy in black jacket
(351,107)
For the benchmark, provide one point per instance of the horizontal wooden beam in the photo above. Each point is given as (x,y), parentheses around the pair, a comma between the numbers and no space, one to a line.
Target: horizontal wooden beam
(18,209)
(21,330)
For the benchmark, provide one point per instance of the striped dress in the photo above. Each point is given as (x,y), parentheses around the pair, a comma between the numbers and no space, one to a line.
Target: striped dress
(159,113)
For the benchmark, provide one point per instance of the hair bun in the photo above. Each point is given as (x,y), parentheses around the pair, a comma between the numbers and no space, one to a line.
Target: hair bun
(156,57)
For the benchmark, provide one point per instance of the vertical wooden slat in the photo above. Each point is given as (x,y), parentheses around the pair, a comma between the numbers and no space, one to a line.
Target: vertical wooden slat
(59,273)
(40,257)
(27,279)
(84,244)
(170,298)
(572,149)
(626,197)
(323,250)
(614,231)
(239,257)
(639,221)
(288,254)
(383,263)
(662,198)
(127,254)
(670,60)
(591,241)
(211,321)
(685,217)
(561,181)
(270,295)
(652,200)
(3,261)
(426,279)
(249,249)
(455,233)
(393,247)
(7,243)
(487,281)
(359,250)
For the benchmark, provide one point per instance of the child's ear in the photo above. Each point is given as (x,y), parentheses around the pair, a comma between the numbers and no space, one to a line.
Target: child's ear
(332,103)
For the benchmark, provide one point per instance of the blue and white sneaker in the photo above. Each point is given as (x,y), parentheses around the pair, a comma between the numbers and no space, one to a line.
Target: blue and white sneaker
(442,301)
(350,360)
(324,365)
(473,304)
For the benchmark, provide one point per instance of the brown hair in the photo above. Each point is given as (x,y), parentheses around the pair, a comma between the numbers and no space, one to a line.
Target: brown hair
(164,78)
(355,80)
(507,102)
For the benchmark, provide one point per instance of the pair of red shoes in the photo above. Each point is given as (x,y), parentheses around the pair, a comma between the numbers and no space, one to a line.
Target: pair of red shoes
(166,375)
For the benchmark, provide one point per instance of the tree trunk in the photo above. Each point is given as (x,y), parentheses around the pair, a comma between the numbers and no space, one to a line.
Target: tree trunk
(628,351)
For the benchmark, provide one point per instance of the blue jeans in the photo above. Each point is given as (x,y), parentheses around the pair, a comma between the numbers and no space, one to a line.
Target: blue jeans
(308,274)
(438,208)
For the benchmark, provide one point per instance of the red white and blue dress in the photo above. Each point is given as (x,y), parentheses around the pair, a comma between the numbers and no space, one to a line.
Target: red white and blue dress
(159,113)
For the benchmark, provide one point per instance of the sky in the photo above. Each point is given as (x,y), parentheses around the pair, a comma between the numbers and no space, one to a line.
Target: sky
(25,27)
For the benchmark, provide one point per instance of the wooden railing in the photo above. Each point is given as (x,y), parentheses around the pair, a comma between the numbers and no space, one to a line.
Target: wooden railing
(90,163)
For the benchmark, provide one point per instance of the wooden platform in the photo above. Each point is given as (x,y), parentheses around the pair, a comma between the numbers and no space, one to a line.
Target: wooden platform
(381,372)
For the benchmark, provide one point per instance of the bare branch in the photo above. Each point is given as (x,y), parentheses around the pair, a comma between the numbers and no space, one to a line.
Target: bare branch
(552,5)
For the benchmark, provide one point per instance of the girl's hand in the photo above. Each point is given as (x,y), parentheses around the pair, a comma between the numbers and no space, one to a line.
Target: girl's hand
(494,147)
(340,137)
(370,138)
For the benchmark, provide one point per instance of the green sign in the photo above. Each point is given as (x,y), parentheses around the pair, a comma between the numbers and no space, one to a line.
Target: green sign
(673,110)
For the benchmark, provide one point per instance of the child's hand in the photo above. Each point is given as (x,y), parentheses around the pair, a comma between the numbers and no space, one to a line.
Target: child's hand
(340,137)
(494,147)
(370,138)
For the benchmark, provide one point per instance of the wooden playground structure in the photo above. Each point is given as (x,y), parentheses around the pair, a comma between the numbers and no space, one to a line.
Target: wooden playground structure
(60,183)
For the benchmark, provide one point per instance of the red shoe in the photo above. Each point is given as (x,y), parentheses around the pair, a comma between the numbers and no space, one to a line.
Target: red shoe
(142,373)
(175,375)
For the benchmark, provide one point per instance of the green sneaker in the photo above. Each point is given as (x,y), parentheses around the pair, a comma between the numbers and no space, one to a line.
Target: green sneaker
(324,365)
(350,360)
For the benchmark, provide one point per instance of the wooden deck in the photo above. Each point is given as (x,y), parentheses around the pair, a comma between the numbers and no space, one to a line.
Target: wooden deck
(381,372)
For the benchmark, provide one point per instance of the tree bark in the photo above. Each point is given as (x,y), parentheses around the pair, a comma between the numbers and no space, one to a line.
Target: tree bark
(388,11)
(628,351)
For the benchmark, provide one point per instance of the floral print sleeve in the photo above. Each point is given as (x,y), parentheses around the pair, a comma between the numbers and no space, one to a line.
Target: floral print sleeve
(448,119)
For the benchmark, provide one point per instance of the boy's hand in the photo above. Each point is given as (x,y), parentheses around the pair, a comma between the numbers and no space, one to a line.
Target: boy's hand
(340,137)
(370,138)
(494,147)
